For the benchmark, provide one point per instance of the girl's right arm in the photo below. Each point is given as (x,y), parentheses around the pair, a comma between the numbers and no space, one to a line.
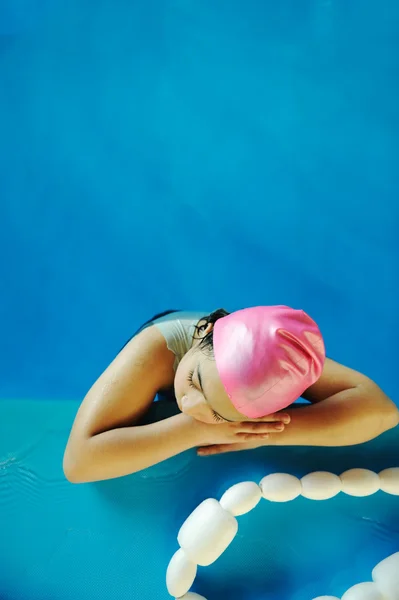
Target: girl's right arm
(104,443)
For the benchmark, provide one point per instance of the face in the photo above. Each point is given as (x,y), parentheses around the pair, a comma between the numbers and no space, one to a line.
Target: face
(199,391)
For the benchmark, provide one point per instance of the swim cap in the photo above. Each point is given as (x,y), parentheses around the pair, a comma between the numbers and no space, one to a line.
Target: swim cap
(267,356)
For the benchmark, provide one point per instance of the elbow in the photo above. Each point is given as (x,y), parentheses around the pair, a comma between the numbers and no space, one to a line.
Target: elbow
(386,413)
(381,413)
(71,472)
(73,476)
(391,417)
(72,468)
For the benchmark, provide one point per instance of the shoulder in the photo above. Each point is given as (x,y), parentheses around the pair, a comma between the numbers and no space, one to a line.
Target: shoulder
(178,330)
(148,343)
(149,352)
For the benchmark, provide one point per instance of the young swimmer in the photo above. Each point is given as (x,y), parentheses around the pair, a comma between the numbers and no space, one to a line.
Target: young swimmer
(235,378)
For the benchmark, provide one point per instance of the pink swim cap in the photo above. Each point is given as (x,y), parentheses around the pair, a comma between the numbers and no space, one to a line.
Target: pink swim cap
(267,356)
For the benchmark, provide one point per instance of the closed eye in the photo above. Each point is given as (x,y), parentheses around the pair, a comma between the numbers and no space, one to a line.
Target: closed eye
(190,379)
(217,418)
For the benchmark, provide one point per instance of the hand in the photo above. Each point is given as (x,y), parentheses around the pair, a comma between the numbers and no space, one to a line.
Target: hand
(256,432)
(222,448)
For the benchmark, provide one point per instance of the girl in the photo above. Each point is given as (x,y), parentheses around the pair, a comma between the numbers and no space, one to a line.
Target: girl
(234,378)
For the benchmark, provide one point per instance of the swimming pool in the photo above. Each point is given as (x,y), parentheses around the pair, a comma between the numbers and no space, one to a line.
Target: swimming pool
(165,154)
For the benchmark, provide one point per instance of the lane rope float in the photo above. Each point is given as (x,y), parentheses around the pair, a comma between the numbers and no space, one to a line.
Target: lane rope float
(213,525)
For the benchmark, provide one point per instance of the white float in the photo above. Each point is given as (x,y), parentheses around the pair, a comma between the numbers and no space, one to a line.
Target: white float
(207,532)
(360,482)
(386,576)
(180,574)
(389,480)
(280,487)
(364,591)
(320,485)
(212,526)
(241,498)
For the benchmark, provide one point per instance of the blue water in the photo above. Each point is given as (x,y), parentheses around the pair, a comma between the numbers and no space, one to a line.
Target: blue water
(183,153)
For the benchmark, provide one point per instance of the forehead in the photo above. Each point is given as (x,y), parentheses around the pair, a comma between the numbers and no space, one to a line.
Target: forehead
(214,391)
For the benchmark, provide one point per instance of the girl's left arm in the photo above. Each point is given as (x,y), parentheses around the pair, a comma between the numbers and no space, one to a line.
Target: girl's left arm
(347,408)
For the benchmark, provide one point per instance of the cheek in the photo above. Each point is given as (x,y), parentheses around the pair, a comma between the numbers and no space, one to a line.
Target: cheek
(180,384)
(190,401)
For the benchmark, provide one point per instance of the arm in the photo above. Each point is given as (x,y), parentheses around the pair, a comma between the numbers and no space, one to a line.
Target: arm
(103,444)
(127,450)
(347,408)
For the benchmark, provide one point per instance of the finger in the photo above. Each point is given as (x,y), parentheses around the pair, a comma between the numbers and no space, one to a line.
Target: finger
(260,428)
(280,416)
(217,449)
(253,437)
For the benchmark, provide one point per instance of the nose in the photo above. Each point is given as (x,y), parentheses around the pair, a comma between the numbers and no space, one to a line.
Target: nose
(188,404)
(197,408)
